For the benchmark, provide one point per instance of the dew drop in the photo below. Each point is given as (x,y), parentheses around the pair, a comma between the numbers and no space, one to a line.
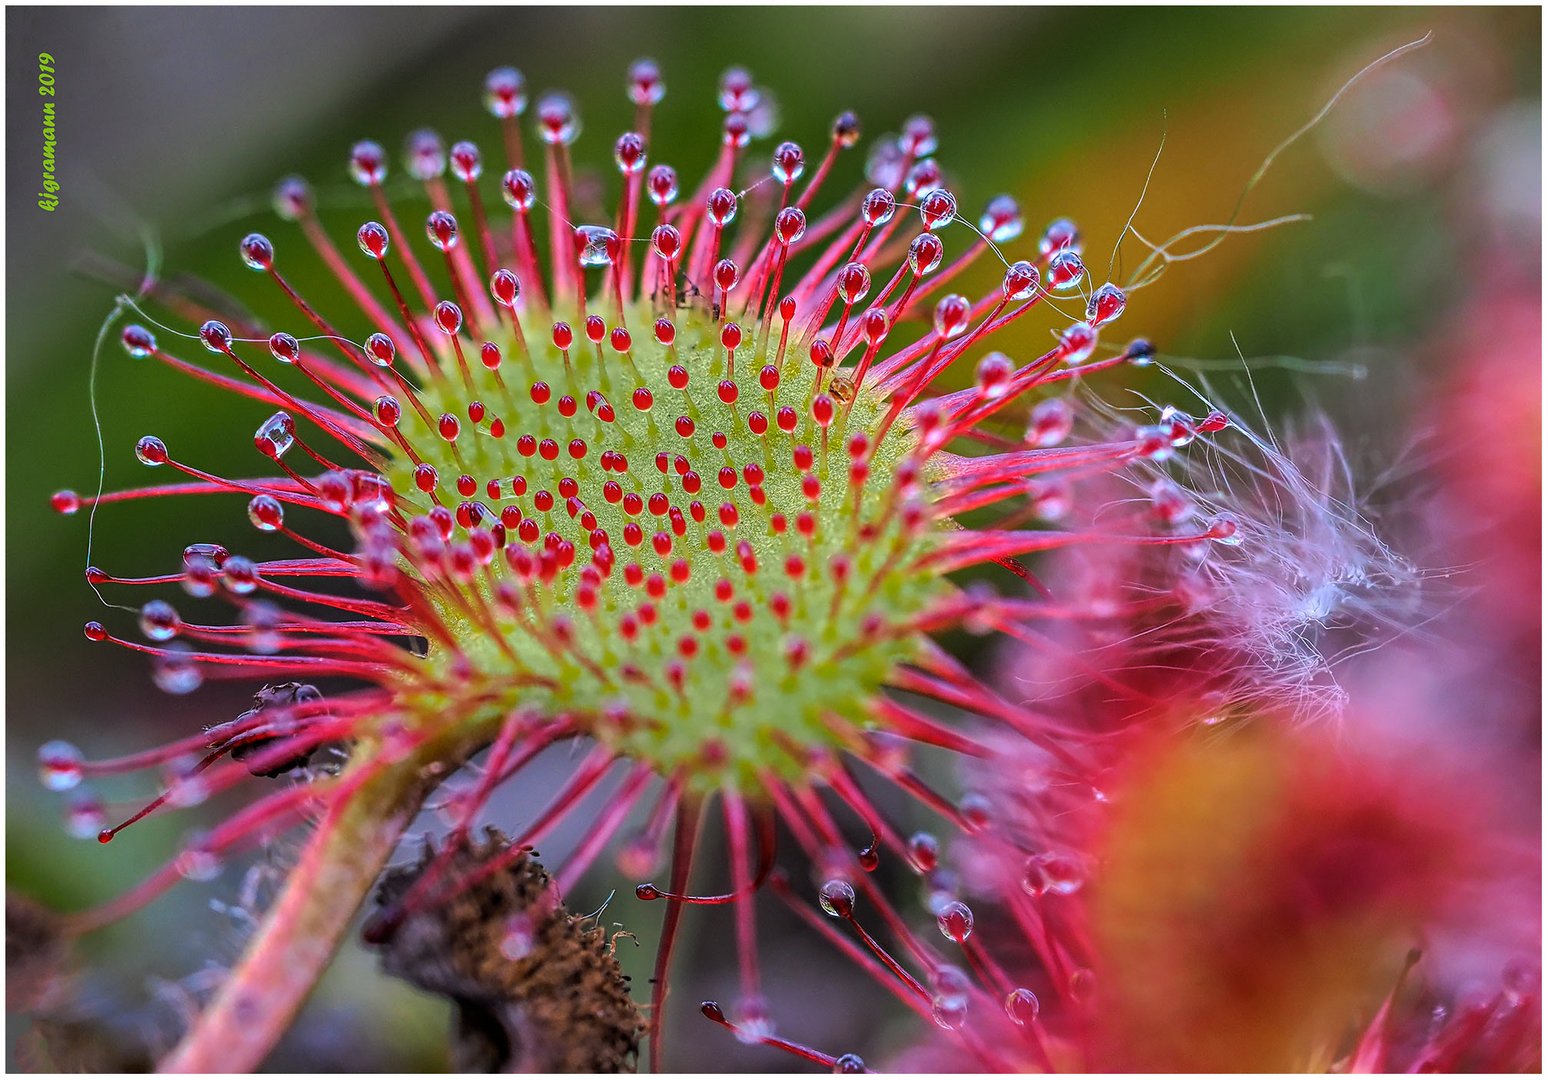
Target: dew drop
(240,574)
(993,376)
(596,245)
(1154,442)
(737,93)
(85,818)
(919,137)
(667,242)
(925,253)
(949,1012)
(1105,305)
(846,129)
(466,163)
(849,1063)
(837,898)
(373,240)
(1077,343)
(61,765)
(264,621)
(558,124)
(216,336)
(645,83)
(1001,220)
(1020,282)
(213,556)
(266,513)
(885,163)
(924,178)
(519,190)
(1060,234)
(1082,985)
(388,411)
(292,198)
(1022,1006)
(380,350)
(869,856)
(1065,270)
(368,163)
(151,451)
(789,163)
(187,790)
(448,318)
(1050,422)
(955,921)
(629,153)
(662,185)
(753,1020)
(159,621)
(65,502)
(854,282)
(952,314)
(789,225)
(441,228)
(257,251)
(284,348)
(1059,873)
(198,861)
(874,324)
(878,206)
(505,287)
(925,851)
(276,436)
(138,341)
(1051,500)
(1522,979)
(505,93)
(1181,428)
(938,209)
(976,811)
(425,155)
(175,673)
(721,207)
(1224,528)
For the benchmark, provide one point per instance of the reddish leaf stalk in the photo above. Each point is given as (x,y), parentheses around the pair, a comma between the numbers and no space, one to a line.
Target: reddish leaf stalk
(304,928)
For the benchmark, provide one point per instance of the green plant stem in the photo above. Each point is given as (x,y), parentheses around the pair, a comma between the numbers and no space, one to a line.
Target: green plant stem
(303,928)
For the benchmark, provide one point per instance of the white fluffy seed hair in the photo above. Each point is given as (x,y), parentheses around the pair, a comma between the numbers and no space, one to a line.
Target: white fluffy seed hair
(1307,584)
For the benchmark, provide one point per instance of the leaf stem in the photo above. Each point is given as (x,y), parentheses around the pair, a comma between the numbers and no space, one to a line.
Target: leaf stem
(305,926)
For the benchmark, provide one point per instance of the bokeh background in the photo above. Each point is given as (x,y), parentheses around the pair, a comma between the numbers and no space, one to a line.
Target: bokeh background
(1423,186)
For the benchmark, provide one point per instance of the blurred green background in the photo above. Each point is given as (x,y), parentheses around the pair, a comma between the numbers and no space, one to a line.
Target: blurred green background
(174,124)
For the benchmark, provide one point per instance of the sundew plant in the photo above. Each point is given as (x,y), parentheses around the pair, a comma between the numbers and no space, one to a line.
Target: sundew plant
(701,487)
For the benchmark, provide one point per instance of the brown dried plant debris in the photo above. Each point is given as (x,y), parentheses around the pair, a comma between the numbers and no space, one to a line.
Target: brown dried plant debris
(536,988)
